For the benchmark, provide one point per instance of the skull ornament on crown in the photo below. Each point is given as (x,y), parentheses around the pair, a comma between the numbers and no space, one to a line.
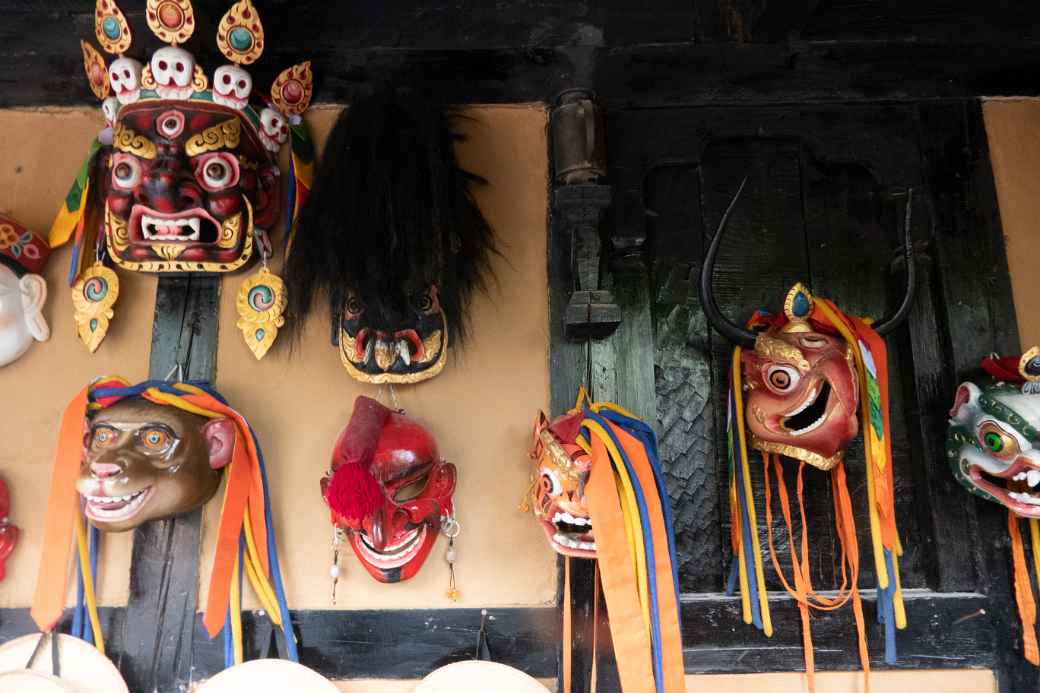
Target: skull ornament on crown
(185,178)
(22,290)
(389,490)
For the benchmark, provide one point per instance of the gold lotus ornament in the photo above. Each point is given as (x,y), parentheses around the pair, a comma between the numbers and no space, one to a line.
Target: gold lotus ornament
(261,304)
(93,296)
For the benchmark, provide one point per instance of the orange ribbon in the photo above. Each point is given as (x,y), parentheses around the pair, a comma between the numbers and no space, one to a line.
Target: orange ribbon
(62,507)
(1023,593)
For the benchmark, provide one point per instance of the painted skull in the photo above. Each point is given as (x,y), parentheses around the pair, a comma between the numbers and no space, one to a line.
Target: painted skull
(803,394)
(124,74)
(173,70)
(398,337)
(145,461)
(993,442)
(393,528)
(23,292)
(232,86)
(274,129)
(558,491)
(187,184)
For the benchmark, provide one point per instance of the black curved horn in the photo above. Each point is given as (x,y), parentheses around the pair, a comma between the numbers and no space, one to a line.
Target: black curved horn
(888,323)
(719,321)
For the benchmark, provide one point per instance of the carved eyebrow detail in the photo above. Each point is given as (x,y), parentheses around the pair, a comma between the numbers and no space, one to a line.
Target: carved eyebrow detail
(126,140)
(225,135)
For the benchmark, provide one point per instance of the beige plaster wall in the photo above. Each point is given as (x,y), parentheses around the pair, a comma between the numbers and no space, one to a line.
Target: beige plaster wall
(1013,129)
(40,153)
(480,408)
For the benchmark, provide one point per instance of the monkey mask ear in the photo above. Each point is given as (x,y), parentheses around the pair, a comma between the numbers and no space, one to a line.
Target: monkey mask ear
(220,437)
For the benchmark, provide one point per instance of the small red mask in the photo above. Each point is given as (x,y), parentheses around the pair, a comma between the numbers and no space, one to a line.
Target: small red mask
(8,532)
(389,489)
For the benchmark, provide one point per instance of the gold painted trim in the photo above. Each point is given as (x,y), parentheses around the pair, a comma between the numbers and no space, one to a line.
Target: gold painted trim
(126,140)
(775,349)
(1026,358)
(117,46)
(190,266)
(396,378)
(225,135)
(811,458)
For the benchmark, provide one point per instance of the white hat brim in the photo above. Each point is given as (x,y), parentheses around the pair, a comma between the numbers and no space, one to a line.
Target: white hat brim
(83,668)
(476,676)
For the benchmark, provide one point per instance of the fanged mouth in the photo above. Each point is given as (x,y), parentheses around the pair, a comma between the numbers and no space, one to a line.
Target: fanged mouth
(192,226)
(116,508)
(570,534)
(1018,488)
(811,414)
(395,555)
(391,354)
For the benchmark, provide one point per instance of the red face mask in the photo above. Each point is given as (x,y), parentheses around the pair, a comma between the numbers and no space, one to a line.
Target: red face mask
(803,396)
(389,489)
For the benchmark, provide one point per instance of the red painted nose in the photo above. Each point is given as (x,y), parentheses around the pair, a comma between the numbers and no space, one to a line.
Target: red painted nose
(103,470)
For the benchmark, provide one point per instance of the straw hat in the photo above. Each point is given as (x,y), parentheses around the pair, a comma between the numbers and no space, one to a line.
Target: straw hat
(477,676)
(83,668)
(268,675)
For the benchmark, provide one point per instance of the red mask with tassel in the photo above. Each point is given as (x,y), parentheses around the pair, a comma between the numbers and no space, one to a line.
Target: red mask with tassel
(389,489)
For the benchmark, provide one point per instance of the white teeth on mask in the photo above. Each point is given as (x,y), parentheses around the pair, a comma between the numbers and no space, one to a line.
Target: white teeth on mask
(1033,478)
(370,348)
(149,228)
(1020,476)
(1025,498)
(570,519)
(564,540)
(805,404)
(405,352)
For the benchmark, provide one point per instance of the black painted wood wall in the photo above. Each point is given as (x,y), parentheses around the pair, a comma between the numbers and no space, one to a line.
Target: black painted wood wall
(833,108)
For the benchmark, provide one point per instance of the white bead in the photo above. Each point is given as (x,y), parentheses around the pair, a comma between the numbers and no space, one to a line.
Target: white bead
(450,555)
(334,571)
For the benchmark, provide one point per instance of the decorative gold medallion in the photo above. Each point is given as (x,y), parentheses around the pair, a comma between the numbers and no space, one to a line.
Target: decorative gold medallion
(111,27)
(173,21)
(97,73)
(1029,368)
(291,92)
(261,303)
(93,296)
(240,35)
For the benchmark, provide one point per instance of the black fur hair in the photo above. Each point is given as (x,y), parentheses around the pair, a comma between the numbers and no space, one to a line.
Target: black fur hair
(391,212)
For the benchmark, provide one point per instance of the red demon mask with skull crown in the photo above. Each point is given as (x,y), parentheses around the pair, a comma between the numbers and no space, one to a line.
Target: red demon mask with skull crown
(389,489)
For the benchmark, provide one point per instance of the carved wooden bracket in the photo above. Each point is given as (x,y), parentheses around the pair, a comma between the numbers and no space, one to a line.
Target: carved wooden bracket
(579,202)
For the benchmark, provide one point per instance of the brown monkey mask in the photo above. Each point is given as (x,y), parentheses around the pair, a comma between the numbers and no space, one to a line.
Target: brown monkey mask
(145,461)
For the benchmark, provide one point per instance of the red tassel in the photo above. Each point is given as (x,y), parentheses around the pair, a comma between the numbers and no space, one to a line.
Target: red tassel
(353,492)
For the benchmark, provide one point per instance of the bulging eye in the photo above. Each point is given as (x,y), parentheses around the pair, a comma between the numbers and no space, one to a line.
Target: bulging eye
(422,301)
(126,171)
(103,437)
(354,305)
(550,484)
(782,379)
(156,439)
(996,441)
(217,171)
